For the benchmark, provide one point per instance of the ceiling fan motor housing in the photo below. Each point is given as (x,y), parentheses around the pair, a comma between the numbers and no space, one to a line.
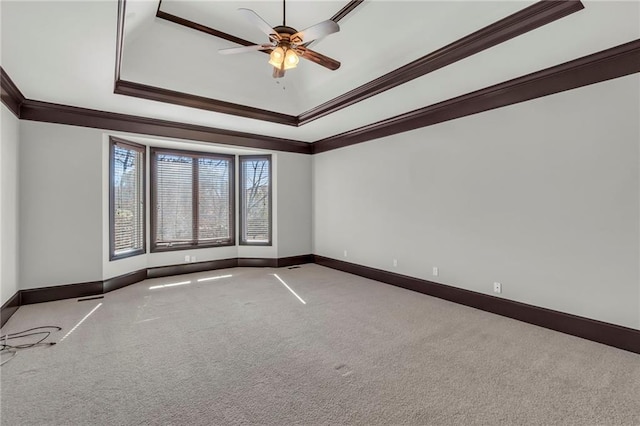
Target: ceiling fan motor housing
(286,32)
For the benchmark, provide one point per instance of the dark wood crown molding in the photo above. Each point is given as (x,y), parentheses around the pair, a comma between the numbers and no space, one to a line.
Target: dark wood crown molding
(62,114)
(530,18)
(202,28)
(139,90)
(10,95)
(525,20)
(347,9)
(605,65)
(122,6)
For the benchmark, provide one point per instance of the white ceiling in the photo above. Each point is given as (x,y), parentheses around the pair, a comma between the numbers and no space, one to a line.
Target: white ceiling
(64,52)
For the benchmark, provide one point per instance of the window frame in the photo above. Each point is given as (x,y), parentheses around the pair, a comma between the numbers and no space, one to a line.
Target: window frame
(113,142)
(241,159)
(155,248)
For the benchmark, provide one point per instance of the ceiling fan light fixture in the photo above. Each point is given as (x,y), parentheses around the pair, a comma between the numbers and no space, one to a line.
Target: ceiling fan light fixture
(277,56)
(291,59)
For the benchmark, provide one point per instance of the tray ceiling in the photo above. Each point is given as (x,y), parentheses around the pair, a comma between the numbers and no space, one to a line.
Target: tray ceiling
(65,52)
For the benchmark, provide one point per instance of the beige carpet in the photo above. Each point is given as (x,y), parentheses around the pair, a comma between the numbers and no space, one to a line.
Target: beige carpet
(245,350)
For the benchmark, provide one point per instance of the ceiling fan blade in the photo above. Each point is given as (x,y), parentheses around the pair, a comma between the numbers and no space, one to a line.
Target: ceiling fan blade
(243,49)
(316,31)
(256,20)
(318,58)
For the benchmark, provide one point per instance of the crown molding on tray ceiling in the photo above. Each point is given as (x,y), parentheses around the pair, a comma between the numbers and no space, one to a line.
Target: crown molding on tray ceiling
(523,21)
(605,65)
(601,66)
(11,95)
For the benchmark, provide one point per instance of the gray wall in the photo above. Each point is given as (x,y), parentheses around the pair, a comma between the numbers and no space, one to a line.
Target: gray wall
(8,205)
(294,204)
(60,205)
(64,220)
(541,196)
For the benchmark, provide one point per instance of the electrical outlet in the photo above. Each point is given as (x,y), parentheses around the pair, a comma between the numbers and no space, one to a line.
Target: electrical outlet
(395,263)
(186,258)
(497,288)
(345,253)
(435,271)
(193,258)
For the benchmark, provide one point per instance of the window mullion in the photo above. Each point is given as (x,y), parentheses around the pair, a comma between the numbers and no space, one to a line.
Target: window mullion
(195,187)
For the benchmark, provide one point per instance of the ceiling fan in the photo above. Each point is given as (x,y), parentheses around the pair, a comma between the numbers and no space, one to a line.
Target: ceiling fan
(286,44)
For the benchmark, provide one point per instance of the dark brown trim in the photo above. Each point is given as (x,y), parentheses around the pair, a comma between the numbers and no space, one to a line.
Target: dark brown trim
(94,288)
(284,262)
(605,65)
(203,28)
(122,6)
(9,308)
(10,94)
(586,328)
(189,268)
(74,116)
(124,280)
(144,91)
(525,20)
(257,262)
(347,9)
(68,291)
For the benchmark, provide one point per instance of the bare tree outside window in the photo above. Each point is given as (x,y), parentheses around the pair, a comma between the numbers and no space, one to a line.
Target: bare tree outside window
(127,208)
(192,199)
(255,200)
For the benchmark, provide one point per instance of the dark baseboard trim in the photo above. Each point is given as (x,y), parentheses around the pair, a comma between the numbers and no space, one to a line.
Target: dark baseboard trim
(10,94)
(586,328)
(94,288)
(523,21)
(124,280)
(189,268)
(75,116)
(285,262)
(257,262)
(608,64)
(597,331)
(9,308)
(58,292)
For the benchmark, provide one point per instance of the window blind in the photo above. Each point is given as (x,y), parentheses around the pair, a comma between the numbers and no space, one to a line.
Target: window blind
(255,199)
(174,199)
(127,199)
(193,204)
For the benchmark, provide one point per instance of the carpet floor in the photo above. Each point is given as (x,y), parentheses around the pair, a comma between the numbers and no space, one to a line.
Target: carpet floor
(237,346)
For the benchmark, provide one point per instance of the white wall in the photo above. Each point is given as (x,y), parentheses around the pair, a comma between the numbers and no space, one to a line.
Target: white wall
(541,196)
(8,205)
(64,205)
(60,205)
(294,204)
